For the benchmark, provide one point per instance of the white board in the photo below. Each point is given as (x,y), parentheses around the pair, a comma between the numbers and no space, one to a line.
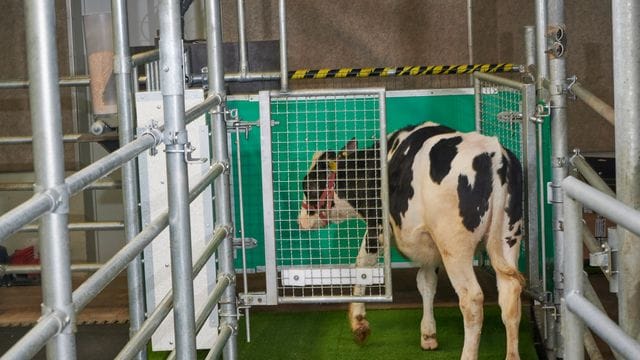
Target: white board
(153,196)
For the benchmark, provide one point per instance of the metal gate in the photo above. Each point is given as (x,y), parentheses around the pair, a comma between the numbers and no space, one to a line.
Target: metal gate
(319,265)
(506,109)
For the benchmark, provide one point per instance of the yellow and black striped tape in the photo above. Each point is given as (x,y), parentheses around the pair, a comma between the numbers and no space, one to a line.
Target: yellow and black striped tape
(401,71)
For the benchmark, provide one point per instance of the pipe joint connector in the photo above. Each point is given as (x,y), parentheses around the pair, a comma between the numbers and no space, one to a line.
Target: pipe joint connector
(156,134)
(59,197)
(180,137)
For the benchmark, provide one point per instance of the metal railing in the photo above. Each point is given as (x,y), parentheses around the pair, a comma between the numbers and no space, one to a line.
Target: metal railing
(50,202)
(576,308)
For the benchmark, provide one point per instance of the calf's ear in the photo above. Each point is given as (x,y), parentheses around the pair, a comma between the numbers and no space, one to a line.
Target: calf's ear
(349,147)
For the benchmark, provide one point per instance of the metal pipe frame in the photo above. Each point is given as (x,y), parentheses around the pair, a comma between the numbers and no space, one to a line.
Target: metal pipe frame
(104,184)
(577,308)
(145,57)
(36,269)
(227,310)
(223,281)
(68,81)
(67,138)
(85,226)
(542,59)
(559,152)
(155,318)
(176,139)
(242,39)
(225,335)
(595,103)
(31,343)
(45,200)
(626,89)
(46,124)
(591,175)
(282,22)
(98,281)
(126,130)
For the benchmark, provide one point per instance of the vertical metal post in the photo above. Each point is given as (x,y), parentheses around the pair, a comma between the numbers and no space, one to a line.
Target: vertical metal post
(175,139)
(470,29)
(242,39)
(559,157)
(48,151)
(227,310)
(531,183)
(626,88)
(124,93)
(477,91)
(573,328)
(542,64)
(529,46)
(284,70)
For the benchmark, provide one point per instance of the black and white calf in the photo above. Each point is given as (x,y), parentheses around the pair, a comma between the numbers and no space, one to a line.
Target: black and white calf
(449,192)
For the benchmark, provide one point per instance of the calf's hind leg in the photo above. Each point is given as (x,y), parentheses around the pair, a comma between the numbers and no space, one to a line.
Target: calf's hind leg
(427,280)
(460,270)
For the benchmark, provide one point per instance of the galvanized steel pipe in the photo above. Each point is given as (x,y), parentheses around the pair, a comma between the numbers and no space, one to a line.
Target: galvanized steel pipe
(605,110)
(48,151)
(626,90)
(227,309)
(163,308)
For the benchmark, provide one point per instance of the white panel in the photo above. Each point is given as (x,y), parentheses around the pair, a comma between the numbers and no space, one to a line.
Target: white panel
(153,195)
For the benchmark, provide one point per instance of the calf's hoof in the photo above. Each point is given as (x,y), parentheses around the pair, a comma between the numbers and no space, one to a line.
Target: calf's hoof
(429,342)
(360,329)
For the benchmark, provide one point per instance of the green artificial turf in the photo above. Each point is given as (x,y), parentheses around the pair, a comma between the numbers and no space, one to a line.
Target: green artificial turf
(395,335)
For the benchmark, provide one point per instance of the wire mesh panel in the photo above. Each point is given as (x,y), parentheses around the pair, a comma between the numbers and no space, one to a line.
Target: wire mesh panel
(319,264)
(501,115)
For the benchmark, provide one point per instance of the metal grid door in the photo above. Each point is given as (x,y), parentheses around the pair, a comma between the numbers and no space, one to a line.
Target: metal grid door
(506,109)
(319,265)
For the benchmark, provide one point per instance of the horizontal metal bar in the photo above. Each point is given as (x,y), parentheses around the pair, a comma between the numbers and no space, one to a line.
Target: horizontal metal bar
(103,184)
(603,326)
(145,57)
(223,281)
(36,269)
(223,336)
(29,345)
(67,139)
(591,175)
(84,226)
(28,211)
(97,282)
(109,163)
(64,81)
(499,80)
(155,318)
(605,110)
(329,92)
(603,204)
(333,299)
(198,110)
(252,76)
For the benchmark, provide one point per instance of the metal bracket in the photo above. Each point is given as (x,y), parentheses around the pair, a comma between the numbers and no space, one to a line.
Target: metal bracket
(572,81)
(558,36)
(156,134)
(612,263)
(251,299)
(540,113)
(554,193)
(509,116)
(188,155)
(176,137)
(249,243)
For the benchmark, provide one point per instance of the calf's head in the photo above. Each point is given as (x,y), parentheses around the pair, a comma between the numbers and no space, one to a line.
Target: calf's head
(320,203)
